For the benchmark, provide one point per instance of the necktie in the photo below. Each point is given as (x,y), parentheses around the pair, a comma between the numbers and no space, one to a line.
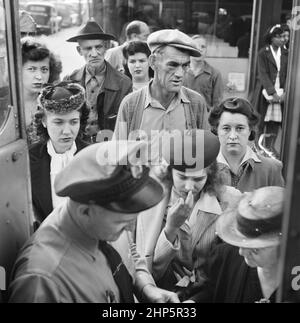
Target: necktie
(120,272)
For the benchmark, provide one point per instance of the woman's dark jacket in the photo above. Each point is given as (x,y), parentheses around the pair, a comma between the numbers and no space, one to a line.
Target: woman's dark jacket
(230,279)
(40,178)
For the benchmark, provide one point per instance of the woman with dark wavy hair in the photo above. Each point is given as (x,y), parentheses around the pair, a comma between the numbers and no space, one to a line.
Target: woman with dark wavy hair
(235,122)
(186,230)
(59,123)
(40,66)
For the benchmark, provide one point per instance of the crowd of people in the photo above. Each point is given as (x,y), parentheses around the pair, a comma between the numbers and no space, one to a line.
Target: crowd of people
(199,220)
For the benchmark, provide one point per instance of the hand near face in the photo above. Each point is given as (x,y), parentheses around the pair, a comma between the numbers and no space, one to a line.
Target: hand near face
(177,215)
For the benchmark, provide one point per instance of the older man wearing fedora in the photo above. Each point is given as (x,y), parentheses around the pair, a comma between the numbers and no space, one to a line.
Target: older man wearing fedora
(164,104)
(245,268)
(105,86)
(70,258)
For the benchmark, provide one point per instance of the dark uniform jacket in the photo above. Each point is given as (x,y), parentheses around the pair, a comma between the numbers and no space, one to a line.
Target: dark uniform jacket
(115,87)
(40,178)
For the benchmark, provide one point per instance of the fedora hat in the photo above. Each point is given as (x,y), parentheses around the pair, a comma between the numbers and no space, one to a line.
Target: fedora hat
(101,174)
(91,30)
(255,221)
(189,150)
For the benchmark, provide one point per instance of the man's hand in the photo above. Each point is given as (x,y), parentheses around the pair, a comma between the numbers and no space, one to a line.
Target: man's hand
(177,215)
(154,294)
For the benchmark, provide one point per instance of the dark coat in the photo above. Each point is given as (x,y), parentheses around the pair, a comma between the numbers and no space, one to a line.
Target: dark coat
(116,86)
(40,178)
(230,279)
(267,72)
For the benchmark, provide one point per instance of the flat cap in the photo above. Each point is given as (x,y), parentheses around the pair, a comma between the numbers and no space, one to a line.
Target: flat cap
(101,174)
(172,37)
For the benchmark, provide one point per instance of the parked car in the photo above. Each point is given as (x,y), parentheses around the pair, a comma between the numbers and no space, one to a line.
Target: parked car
(46,17)
(65,10)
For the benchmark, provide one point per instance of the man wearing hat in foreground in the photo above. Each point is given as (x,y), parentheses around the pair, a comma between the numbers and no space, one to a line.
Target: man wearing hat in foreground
(69,258)
(105,86)
(164,104)
(245,268)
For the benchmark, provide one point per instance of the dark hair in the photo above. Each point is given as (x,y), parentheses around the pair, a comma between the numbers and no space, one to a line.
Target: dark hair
(35,51)
(273,32)
(214,182)
(234,105)
(285,27)
(134,47)
(42,133)
(214,179)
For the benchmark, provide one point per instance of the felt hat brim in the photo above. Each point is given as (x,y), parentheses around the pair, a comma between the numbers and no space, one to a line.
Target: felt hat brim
(91,36)
(227,230)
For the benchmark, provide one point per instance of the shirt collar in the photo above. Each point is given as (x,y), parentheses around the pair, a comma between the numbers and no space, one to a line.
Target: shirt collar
(181,97)
(249,155)
(98,76)
(208,203)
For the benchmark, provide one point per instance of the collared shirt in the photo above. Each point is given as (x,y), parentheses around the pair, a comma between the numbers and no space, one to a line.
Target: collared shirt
(208,82)
(156,117)
(93,85)
(245,179)
(62,264)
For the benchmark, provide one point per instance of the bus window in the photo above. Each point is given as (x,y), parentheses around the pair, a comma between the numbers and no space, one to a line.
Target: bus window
(5,100)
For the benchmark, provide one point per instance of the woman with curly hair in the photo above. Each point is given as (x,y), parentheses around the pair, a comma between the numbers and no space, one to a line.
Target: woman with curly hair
(186,232)
(235,122)
(59,123)
(40,66)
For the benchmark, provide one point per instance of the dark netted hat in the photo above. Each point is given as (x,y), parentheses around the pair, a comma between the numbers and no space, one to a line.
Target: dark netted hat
(62,98)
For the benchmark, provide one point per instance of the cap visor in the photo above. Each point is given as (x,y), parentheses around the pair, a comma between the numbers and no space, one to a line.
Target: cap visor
(226,228)
(193,52)
(91,36)
(147,197)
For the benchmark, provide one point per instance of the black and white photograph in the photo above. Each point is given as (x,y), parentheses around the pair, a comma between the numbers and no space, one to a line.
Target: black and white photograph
(149,155)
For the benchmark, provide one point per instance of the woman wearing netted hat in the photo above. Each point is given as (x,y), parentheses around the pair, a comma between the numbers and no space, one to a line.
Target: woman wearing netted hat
(59,123)
(234,121)
(245,268)
(39,67)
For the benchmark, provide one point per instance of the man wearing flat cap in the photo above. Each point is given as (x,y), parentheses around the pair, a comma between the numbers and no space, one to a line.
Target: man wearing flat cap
(105,86)
(164,104)
(70,257)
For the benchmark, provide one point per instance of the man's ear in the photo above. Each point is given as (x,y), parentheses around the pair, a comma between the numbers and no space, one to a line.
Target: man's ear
(152,61)
(83,210)
(79,50)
